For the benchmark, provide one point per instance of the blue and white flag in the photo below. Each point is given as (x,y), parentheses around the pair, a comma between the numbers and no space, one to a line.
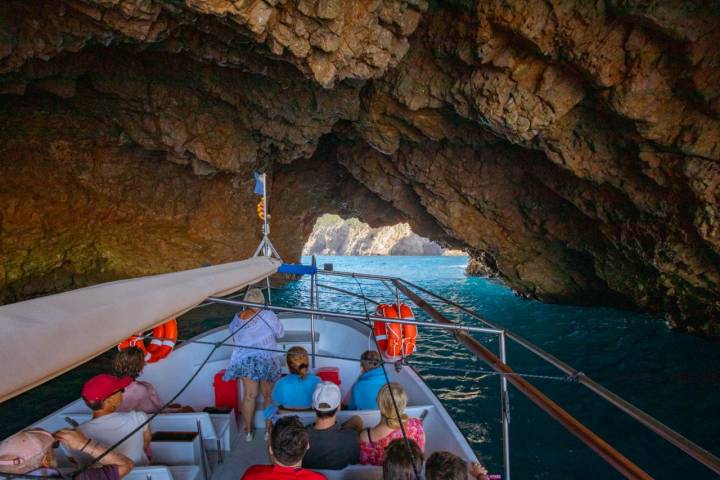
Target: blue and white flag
(259,183)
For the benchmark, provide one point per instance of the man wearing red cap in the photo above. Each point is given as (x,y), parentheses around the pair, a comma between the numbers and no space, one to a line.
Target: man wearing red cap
(31,452)
(103,394)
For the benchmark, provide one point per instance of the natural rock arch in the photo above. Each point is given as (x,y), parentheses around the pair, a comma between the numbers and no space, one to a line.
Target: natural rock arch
(575,145)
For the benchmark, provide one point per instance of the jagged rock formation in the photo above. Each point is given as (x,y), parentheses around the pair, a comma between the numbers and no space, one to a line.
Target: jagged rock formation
(481,264)
(334,236)
(574,144)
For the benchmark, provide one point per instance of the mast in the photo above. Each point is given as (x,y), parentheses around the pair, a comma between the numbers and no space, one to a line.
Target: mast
(266,248)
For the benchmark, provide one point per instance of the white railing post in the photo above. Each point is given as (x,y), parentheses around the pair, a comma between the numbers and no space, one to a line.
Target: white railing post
(313,305)
(505,409)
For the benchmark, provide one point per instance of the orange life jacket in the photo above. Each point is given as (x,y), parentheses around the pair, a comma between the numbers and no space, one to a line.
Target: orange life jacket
(163,341)
(395,339)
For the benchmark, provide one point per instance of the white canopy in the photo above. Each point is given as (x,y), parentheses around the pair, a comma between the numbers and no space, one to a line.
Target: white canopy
(45,337)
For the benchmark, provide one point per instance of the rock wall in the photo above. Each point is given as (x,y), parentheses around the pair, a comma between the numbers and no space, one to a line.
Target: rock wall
(574,146)
(334,236)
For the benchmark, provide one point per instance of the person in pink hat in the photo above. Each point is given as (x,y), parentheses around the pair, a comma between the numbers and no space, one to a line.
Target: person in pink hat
(103,394)
(31,452)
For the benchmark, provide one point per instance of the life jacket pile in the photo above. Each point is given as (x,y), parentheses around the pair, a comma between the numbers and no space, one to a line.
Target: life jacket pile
(163,338)
(395,339)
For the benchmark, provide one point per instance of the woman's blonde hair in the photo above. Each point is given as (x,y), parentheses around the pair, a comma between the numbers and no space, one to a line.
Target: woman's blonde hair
(254,295)
(387,408)
(297,361)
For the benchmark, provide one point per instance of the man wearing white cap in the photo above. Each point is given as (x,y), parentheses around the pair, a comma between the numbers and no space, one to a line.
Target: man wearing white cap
(31,453)
(332,447)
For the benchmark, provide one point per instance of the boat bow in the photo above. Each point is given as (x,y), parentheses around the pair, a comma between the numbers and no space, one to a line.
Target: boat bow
(45,337)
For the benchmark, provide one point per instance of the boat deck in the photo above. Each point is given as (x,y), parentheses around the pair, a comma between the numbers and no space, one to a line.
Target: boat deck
(242,455)
(219,450)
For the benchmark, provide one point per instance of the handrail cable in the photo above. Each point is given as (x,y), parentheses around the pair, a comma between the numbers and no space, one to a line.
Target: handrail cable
(621,463)
(392,396)
(169,402)
(413,363)
(355,316)
(153,415)
(348,292)
(681,442)
(461,333)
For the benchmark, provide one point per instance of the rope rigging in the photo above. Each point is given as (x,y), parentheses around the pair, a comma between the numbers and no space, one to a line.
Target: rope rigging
(406,362)
(168,403)
(224,342)
(392,396)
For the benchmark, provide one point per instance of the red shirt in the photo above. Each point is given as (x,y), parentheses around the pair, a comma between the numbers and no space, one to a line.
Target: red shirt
(270,472)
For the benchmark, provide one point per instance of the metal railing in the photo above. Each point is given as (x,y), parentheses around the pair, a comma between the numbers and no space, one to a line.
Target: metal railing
(696,452)
(352,316)
(600,446)
(499,364)
(693,450)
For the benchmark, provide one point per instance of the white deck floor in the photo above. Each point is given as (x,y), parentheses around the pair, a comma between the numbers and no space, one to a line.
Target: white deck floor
(243,455)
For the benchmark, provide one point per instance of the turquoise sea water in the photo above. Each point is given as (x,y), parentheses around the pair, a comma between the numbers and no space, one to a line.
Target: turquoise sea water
(672,376)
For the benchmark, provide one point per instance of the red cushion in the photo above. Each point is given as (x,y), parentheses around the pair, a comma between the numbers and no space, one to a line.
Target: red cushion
(329,374)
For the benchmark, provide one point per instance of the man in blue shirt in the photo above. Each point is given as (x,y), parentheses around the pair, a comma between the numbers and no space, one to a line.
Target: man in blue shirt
(364,393)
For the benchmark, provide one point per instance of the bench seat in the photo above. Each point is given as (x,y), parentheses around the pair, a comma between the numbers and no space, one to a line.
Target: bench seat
(370,417)
(162,472)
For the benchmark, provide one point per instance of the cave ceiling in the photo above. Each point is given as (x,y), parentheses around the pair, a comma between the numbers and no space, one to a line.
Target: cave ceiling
(572,146)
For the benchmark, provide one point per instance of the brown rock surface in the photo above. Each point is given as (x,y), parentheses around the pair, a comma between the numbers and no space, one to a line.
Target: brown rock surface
(574,144)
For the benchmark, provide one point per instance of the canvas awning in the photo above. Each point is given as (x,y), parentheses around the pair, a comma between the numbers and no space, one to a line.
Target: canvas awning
(45,337)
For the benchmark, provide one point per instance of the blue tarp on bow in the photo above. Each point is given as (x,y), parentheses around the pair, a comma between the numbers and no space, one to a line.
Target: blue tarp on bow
(297,269)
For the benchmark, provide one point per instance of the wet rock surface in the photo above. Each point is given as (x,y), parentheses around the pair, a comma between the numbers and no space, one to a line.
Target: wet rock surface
(576,144)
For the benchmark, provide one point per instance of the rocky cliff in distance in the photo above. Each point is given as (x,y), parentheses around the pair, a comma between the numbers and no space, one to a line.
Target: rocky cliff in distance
(572,146)
(333,235)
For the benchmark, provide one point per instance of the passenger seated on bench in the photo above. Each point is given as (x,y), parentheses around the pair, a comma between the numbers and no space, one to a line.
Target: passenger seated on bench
(139,396)
(332,447)
(399,460)
(447,466)
(363,395)
(374,440)
(31,453)
(295,391)
(103,394)
(288,444)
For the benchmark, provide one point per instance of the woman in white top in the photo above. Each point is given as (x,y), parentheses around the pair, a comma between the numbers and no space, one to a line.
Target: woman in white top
(254,328)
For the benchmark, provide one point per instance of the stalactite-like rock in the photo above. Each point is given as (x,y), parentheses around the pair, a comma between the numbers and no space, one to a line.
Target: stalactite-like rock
(573,146)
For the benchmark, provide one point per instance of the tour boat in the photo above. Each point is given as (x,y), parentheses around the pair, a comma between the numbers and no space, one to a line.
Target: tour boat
(44,337)
(73,327)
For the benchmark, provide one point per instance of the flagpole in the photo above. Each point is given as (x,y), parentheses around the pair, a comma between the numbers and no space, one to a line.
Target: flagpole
(266,232)
(265,247)
(266,225)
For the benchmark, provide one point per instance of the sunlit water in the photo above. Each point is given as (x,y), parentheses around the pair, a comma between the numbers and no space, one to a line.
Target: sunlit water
(672,376)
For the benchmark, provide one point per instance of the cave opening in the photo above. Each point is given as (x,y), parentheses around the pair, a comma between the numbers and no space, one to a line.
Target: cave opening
(565,164)
(570,149)
(334,235)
